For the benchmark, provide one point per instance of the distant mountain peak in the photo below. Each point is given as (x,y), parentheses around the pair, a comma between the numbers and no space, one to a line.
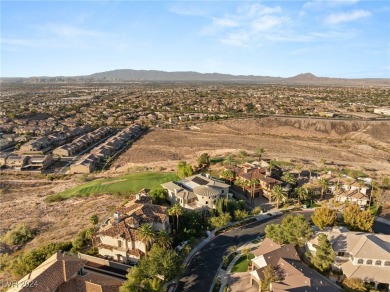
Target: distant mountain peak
(305,76)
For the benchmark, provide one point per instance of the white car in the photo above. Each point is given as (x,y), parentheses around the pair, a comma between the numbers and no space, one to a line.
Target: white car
(181,245)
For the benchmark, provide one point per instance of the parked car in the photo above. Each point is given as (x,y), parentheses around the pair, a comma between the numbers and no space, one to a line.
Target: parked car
(181,245)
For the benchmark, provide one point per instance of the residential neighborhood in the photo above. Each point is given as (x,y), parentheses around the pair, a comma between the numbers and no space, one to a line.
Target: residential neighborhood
(181,193)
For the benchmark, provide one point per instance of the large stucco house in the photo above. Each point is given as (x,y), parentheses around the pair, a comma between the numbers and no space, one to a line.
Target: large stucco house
(359,255)
(119,239)
(260,172)
(197,192)
(293,274)
(354,192)
(65,273)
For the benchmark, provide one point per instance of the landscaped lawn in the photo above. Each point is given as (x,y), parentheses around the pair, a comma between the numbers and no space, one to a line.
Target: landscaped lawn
(129,183)
(241,264)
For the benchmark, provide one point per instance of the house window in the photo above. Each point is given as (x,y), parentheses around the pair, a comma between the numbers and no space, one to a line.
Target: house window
(378,263)
(340,253)
(119,243)
(369,262)
(360,261)
(207,202)
(222,191)
(387,263)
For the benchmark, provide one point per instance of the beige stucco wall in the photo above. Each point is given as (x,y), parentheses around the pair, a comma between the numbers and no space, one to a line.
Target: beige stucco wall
(79,169)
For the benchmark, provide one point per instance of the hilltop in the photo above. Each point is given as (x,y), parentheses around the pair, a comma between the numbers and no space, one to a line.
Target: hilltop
(129,75)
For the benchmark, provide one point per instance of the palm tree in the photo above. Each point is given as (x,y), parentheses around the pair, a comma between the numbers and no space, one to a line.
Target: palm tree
(228,160)
(163,239)
(289,178)
(176,210)
(324,183)
(299,167)
(260,151)
(337,185)
(232,249)
(271,165)
(146,235)
(301,193)
(227,175)
(278,194)
(94,219)
(310,169)
(253,183)
(246,183)
(243,154)
(240,183)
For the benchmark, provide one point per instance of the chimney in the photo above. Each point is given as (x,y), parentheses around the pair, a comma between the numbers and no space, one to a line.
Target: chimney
(117,217)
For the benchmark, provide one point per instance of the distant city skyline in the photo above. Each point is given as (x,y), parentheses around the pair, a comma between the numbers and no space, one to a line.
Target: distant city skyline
(337,38)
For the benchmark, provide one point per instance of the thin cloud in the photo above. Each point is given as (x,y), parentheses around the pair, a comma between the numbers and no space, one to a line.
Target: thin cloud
(186,11)
(225,22)
(336,18)
(320,4)
(64,30)
(245,27)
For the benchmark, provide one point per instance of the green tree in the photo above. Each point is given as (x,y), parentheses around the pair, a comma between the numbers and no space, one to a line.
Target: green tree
(158,195)
(163,239)
(385,183)
(184,169)
(301,194)
(28,261)
(324,216)
(221,220)
(176,210)
(256,210)
(204,159)
(324,184)
(253,183)
(259,152)
(228,160)
(232,249)
(270,275)
(358,220)
(289,178)
(240,183)
(227,174)
(94,219)
(21,234)
(246,252)
(243,154)
(82,239)
(278,194)
(146,235)
(161,266)
(240,214)
(192,224)
(293,229)
(324,255)
(353,285)
(299,168)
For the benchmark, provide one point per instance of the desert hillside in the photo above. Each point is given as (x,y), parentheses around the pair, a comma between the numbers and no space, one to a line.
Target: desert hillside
(358,144)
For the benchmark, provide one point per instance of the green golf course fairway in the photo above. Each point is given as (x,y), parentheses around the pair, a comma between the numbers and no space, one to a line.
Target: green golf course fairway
(129,183)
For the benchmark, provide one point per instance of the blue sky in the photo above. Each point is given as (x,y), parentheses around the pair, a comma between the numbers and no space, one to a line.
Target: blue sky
(338,38)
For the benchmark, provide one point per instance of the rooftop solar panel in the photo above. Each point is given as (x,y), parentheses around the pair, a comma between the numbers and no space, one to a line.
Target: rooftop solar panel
(200,181)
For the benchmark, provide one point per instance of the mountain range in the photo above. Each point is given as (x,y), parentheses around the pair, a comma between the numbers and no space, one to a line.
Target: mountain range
(128,75)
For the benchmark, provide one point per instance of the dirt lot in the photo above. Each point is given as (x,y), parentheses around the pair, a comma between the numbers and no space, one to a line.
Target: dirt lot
(358,144)
(23,202)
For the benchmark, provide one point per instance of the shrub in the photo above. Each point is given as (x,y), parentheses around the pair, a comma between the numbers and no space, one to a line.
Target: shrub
(28,261)
(21,234)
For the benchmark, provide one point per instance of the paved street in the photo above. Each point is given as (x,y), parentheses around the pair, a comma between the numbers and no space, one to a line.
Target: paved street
(203,267)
